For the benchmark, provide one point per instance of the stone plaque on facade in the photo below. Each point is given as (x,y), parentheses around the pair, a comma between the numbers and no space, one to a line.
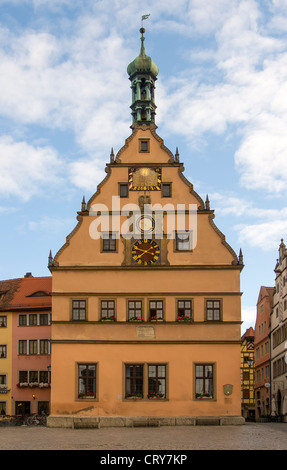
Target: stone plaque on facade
(145,332)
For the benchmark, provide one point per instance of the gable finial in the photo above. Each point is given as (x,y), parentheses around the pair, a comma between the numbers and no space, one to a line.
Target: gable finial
(50,259)
(84,204)
(240,257)
(112,156)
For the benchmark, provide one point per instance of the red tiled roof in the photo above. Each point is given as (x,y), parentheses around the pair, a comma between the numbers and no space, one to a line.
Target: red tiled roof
(26,293)
(248,333)
(7,289)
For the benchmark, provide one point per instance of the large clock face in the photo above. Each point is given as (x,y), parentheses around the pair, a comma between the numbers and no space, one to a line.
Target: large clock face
(145,252)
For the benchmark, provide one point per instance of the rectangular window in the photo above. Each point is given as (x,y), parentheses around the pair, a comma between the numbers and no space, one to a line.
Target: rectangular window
(166,190)
(183,241)
(156,381)
(22,320)
(108,310)
(2,407)
(109,242)
(213,309)
(44,319)
(144,145)
(33,346)
(134,380)
(3,379)
(156,310)
(124,189)
(44,346)
(44,376)
(135,310)
(245,393)
(3,351)
(184,310)
(23,376)
(22,347)
(87,380)
(3,321)
(245,375)
(203,381)
(32,319)
(33,376)
(78,310)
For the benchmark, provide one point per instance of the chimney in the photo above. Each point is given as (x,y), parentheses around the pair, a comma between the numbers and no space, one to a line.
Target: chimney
(28,275)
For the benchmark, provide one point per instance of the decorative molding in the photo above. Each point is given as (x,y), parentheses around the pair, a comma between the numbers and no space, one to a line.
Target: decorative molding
(179,267)
(80,220)
(143,341)
(223,241)
(191,190)
(135,295)
(152,129)
(99,187)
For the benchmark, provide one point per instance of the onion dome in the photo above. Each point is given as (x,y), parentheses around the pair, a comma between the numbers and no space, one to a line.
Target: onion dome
(142,63)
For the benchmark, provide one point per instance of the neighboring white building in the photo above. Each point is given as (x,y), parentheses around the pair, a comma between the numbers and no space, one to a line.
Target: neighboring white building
(279,338)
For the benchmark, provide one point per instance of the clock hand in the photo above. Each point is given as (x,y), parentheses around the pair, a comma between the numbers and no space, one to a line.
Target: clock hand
(140,249)
(145,251)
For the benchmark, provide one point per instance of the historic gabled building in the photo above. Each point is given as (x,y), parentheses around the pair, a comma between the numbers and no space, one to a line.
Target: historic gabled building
(247,374)
(279,338)
(7,289)
(25,332)
(262,353)
(146,293)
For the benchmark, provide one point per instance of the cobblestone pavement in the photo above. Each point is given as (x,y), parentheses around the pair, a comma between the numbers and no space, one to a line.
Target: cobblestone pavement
(250,436)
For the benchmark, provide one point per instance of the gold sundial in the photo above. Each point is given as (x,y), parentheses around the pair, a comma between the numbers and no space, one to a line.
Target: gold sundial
(144,179)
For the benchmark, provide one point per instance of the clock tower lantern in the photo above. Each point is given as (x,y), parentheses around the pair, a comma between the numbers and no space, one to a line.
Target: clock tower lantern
(142,73)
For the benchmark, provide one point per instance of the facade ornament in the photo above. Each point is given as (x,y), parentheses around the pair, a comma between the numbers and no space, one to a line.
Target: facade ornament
(84,206)
(112,156)
(176,155)
(240,257)
(144,201)
(50,259)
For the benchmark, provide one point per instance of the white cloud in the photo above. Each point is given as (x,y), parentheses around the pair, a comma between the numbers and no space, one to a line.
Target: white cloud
(49,224)
(77,81)
(86,174)
(248,316)
(262,156)
(267,225)
(27,170)
(247,90)
(65,83)
(229,205)
(262,235)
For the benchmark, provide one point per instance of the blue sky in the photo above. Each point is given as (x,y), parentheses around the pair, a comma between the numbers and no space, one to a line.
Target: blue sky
(65,102)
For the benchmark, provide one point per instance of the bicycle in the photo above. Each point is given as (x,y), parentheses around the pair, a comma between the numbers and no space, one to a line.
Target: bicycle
(36,420)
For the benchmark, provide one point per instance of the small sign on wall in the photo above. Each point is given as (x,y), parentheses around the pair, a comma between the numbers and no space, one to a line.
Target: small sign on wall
(227,389)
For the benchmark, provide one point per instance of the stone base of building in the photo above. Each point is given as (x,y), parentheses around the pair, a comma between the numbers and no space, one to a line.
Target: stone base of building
(81,422)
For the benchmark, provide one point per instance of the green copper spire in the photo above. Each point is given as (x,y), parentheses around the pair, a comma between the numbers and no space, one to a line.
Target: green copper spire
(142,72)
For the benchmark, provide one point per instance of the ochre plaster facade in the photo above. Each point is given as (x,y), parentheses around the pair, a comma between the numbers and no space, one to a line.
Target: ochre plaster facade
(81,270)
(170,347)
